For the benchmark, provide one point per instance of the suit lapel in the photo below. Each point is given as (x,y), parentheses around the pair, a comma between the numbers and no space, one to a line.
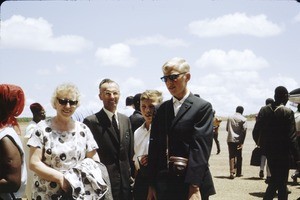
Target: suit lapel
(183,109)
(102,117)
(121,127)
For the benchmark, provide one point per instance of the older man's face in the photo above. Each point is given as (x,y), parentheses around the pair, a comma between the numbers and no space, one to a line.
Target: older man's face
(110,94)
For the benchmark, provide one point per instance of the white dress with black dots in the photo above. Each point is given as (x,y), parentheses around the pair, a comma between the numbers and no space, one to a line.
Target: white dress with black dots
(65,151)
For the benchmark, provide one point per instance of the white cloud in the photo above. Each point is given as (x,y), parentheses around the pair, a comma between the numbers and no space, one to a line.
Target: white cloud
(132,86)
(226,90)
(43,72)
(233,24)
(59,69)
(37,34)
(116,55)
(287,82)
(157,40)
(297,17)
(231,60)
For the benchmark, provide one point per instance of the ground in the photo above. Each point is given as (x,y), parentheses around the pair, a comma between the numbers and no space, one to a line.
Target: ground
(248,187)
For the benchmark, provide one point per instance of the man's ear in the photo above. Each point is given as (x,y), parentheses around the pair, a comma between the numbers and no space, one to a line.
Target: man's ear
(188,76)
(99,95)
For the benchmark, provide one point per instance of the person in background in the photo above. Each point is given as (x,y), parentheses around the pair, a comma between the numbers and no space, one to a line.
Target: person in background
(275,124)
(180,140)
(129,107)
(263,160)
(13,173)
(236,127)
(136,119)
(149,100)
(296,174)
(112,131)
(217,122)
(38,114)
(63,153)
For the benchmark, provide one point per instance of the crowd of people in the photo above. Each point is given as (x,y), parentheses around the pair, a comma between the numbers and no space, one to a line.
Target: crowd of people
(159,151)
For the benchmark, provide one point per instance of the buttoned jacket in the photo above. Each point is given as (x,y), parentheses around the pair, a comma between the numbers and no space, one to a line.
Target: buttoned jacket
(189,135)
(115,151)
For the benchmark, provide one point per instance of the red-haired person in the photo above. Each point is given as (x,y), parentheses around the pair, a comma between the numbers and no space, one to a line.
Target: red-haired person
(13,174)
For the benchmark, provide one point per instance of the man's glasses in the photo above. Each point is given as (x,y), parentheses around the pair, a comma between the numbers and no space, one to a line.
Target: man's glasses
(66,101)
(172,77)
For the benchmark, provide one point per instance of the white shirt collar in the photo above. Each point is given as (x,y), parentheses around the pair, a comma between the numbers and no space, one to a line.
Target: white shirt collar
(182,100)
(110,114)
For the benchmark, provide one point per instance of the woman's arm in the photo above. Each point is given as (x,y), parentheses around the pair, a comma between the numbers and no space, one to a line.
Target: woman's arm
(44,171)
(93,155)
(10,166)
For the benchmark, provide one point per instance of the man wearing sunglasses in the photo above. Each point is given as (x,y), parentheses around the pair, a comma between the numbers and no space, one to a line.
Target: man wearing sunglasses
(112,132)
(182,129)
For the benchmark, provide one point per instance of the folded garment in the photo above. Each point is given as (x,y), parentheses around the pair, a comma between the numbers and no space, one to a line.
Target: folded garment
(86,180)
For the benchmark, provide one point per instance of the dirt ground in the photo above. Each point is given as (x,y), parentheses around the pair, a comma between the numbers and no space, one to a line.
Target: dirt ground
(247,187)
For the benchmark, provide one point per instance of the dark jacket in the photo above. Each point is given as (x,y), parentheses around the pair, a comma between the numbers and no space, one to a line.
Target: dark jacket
(114,154)
(189,134)
(136,120)
(275,125)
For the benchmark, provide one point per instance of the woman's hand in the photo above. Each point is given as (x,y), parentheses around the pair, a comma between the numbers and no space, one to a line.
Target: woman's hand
(64,184)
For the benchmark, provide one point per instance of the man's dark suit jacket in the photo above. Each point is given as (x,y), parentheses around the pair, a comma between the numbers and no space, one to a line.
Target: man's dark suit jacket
(136,120)
(114,154)
(189,135)
(275,130)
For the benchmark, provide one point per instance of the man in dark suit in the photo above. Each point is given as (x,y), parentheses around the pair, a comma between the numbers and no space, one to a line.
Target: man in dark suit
(275,125)
(112,131)
(182,129)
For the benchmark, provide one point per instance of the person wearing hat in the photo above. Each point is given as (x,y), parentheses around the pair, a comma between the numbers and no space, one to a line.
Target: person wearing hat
(38,113)
(13,173)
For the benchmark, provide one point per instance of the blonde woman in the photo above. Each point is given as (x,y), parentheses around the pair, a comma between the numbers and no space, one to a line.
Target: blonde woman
(63,153)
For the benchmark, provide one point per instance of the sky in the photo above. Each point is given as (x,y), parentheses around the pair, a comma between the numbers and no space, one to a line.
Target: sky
(239,50)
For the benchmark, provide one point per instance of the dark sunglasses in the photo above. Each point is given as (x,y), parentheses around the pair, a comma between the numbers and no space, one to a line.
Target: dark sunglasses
(66,101)
(171,77)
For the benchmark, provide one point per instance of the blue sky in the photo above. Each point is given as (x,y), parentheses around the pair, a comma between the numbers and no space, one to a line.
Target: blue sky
(239,51)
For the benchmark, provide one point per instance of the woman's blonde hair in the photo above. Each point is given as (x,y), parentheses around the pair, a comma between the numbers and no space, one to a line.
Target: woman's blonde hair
(63,89)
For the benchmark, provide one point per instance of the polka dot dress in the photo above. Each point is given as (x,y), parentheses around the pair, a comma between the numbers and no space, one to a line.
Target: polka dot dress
(62,151)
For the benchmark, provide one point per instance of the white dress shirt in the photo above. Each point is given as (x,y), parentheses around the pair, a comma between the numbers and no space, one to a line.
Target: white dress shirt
(178,103)
(141,143)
